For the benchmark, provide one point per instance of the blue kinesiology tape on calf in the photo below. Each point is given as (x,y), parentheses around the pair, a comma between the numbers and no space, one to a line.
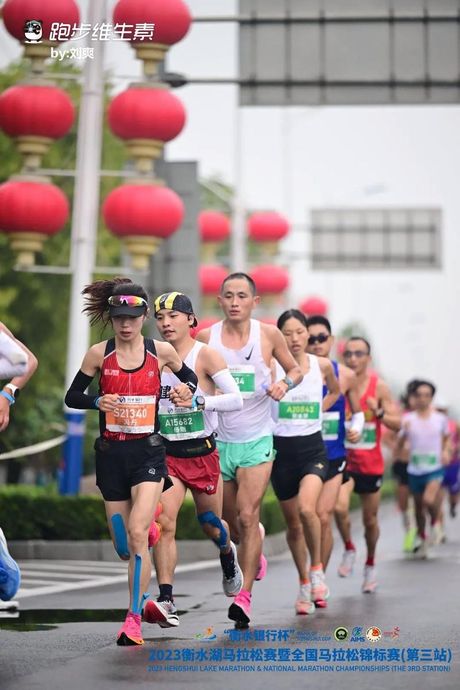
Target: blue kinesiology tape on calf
(121,538)
(211,518)
(138,601)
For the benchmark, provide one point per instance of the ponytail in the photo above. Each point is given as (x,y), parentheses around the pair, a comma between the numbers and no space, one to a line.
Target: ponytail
(97,295)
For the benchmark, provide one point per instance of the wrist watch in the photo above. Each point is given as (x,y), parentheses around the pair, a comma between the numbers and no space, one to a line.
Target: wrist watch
(12,390)
(380,413)
(199,402)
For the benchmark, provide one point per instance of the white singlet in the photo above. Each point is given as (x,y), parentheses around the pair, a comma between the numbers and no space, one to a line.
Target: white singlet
(253,376)
(183,423)
(299,413)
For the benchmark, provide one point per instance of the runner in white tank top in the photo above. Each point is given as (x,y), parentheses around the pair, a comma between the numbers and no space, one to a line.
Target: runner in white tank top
(253,377)
(301,464)
(191,454)
(427,434)
(245,441)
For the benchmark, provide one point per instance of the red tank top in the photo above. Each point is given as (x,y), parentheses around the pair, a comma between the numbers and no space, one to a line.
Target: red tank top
(140,389)
(365,457)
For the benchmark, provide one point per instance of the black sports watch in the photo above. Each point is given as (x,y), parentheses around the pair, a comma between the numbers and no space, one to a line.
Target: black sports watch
(199,402)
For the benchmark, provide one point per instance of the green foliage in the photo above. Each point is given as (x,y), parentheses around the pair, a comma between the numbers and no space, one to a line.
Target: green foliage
(36,513)
(35,305)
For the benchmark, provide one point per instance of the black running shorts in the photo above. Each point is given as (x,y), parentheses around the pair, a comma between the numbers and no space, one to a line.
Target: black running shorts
(399,472)
(336,467)
(120,465)
(297,456)
(366,483)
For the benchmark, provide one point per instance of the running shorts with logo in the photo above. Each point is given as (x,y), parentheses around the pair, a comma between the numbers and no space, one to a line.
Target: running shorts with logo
(336,467)
(366,483)
(296,457)
(249,454)
(120,465)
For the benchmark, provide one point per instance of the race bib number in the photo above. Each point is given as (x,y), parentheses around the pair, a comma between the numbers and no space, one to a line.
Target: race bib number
(424,461)
(135,414)
(368,439)
(330,426)
(181,424)
(245,377)
(298,411)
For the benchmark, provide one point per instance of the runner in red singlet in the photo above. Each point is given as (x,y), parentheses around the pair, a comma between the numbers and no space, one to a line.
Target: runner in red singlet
(130,456)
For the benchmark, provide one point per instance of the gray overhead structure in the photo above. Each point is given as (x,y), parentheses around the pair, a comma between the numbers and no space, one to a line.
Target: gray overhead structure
(175,265)
(349,52)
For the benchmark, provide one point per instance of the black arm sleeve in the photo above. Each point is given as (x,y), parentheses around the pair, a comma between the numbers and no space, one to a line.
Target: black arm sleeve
(76,396)
(187,376)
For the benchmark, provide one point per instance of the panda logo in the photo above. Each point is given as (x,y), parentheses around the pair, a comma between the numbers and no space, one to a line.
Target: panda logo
(33,30)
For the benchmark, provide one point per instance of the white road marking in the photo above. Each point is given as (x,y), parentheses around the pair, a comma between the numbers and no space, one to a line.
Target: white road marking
(95,581)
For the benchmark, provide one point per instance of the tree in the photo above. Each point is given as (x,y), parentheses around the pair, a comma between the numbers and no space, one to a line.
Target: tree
(35,305)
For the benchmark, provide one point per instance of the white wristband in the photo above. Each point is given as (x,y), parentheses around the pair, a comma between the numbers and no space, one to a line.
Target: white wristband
(357,422)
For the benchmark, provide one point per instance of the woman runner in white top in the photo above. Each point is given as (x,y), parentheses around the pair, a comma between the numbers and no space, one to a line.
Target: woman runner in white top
(301,464)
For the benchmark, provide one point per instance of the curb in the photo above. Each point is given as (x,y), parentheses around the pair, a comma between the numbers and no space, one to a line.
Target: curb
(189,551)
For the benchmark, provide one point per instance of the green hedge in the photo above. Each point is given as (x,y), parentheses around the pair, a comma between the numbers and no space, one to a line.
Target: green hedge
(36,513)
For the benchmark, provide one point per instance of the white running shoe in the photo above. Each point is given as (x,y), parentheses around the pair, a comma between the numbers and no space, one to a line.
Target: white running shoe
(437,534)
(420,549)
(370,579)
(319,589)
(347,564)
(232,585)
(304,606)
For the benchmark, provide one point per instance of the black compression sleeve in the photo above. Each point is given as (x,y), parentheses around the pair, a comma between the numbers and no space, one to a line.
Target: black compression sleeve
(76,397)
(187,376)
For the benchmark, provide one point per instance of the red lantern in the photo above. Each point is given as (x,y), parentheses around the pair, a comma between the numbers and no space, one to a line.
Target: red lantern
(171,19)
(143,216)
(211,278)
(34,115)
(314,306)
(145,118)
(214,228)
(17,12)
(30,211)
(270,279)
(267,228)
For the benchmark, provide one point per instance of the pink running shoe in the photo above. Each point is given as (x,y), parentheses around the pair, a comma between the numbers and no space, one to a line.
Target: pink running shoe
(304,606)
(240,610)
(155,527)
(347,563)
(263,564)
(319,589)
(130,632)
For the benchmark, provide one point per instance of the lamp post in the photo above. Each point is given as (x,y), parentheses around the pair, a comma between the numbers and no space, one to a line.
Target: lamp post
(83,252)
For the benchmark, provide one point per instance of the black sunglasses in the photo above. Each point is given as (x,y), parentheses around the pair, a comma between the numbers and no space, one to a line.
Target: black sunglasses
(321,338)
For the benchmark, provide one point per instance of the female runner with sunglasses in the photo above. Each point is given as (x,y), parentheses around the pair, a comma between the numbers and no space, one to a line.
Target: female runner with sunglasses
(130,455)
(301,465)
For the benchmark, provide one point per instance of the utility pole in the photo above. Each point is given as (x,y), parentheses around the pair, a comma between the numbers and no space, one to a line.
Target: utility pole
(83,243)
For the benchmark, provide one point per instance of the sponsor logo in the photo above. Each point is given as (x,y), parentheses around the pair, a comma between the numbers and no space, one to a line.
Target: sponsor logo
(341,634)
(33,30)
(207,635)
(392,633)
(112,372)
(357,634)
(373,634)
(152,470)
(249,355)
